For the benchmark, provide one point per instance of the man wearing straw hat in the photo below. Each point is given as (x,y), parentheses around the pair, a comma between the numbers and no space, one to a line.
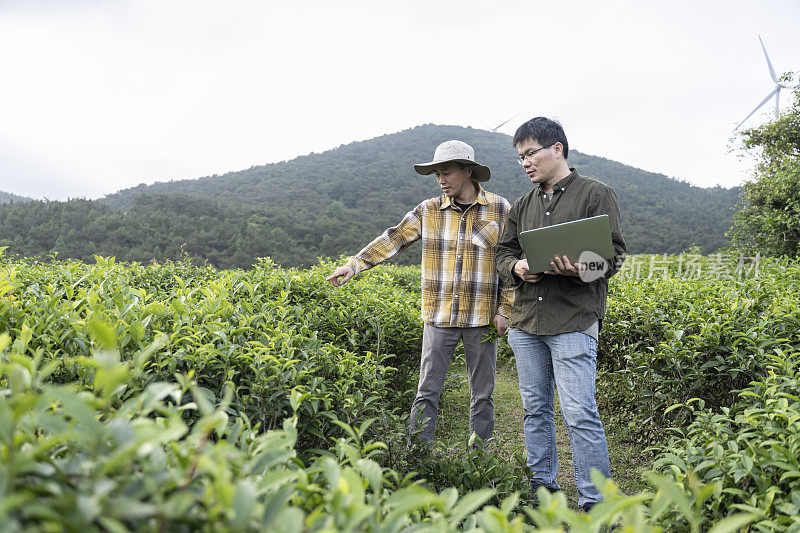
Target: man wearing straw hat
(461,290)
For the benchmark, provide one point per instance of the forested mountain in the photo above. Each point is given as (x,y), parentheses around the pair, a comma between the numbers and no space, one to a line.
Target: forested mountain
(6,197)
(333,203)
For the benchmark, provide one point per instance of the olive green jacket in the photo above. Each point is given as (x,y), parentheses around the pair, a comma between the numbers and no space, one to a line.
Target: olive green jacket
(558,304)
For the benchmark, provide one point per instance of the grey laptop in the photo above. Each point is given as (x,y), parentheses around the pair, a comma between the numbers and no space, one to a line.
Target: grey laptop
(569,238)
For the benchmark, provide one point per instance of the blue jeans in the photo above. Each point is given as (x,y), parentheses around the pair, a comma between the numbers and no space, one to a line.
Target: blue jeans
(567,361)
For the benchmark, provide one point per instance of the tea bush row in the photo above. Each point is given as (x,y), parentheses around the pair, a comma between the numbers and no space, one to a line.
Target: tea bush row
(251,330)
(749,451)
(719,361)
(267,334)
(104,454)
(275,345)
(669,339)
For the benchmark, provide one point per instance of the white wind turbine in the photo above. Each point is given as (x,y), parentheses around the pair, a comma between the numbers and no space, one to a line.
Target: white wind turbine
(494,130)
(776,91)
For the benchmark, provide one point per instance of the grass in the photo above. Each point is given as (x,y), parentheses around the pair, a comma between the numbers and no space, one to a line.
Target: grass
(628,460)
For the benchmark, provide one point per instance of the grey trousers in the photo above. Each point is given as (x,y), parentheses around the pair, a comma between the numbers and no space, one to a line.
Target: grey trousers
(438,345)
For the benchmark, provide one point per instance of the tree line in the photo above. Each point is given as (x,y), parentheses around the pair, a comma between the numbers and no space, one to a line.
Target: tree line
(330,204)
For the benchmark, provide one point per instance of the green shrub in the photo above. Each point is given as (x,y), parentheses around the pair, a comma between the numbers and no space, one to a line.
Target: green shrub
(230,328)
(748,451)
(377,311)
(105,454)
(115,458)
(670,339)
(175,397)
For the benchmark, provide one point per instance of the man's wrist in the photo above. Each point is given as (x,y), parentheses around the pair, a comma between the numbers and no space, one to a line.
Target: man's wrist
(355,264)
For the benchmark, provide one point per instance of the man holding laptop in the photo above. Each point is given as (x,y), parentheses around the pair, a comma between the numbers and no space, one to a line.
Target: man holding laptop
(556,316)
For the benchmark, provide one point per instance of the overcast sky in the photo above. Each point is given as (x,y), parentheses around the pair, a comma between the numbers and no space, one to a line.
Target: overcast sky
(97,96)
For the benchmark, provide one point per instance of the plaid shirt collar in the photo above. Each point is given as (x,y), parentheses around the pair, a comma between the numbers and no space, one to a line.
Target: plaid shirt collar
(447,202)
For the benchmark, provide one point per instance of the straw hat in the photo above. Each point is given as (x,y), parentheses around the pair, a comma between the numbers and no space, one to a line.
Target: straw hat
(455,151)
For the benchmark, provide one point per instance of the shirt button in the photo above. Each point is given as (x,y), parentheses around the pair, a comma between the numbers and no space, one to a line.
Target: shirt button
(540,298)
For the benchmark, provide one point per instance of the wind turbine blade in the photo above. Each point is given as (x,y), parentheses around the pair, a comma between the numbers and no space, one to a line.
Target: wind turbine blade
(769,63)
(764,101)
(506,121)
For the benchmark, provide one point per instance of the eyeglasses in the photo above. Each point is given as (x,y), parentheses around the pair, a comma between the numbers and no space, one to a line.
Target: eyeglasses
(530,153)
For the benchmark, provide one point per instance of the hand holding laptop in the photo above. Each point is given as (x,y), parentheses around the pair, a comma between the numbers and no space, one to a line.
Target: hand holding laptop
(523,272)
(561,266)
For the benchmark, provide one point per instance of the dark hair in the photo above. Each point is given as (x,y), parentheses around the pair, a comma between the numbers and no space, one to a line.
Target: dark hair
(463,166)
(543,131)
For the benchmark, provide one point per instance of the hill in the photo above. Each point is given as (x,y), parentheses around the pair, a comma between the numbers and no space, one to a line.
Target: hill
(6,197)
(333,203)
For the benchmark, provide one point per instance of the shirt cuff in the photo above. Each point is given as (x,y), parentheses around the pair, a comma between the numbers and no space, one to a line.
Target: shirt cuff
(357,264)
(509,279)
(516,282)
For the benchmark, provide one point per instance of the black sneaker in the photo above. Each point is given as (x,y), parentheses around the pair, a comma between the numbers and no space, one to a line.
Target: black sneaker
(533,499)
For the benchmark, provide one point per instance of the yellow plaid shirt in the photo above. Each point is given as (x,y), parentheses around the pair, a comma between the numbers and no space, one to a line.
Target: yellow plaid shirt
(460,284)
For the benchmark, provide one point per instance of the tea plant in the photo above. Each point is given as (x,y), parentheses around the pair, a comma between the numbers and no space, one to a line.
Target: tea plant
(104,454)
(668,340)
(749,451)
(178,397)
(229,329)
